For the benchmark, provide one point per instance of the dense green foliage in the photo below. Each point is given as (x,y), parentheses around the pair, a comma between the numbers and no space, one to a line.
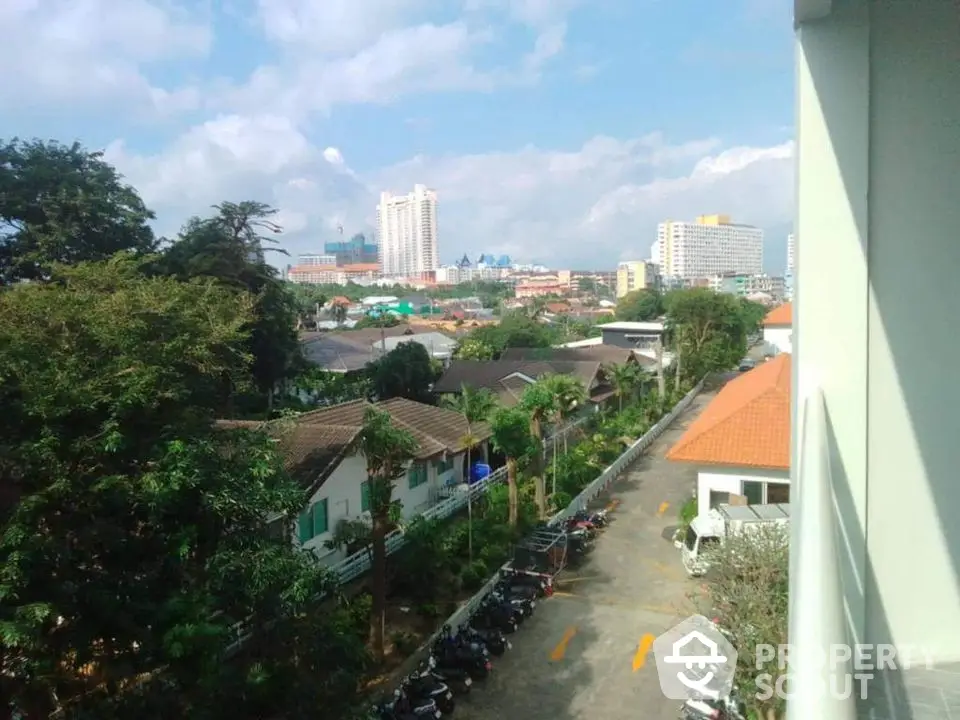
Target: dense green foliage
(63,204)
(134,530)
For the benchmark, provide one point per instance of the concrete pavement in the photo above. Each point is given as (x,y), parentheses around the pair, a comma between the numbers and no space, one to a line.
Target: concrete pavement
(586,651)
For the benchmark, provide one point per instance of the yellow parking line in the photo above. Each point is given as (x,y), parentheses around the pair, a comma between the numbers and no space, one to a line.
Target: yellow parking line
(640,658)
(662,509)
(561,649)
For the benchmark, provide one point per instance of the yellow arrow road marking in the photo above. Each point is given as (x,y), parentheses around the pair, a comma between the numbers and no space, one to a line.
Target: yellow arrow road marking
(662,509)
(561,649)
(640,658)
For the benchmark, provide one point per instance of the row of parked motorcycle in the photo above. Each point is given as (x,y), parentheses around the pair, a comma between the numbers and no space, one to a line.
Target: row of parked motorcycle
(459,658)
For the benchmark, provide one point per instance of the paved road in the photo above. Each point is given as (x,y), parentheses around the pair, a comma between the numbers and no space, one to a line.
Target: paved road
(582,655)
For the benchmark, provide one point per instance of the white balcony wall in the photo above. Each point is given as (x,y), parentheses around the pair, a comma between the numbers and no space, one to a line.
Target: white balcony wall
(876,299)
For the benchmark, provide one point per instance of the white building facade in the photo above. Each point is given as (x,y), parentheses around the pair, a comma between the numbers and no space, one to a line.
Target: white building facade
(712,245)
(876,542)
(407,230)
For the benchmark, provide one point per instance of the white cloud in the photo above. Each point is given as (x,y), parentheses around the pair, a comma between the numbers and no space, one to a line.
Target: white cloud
(586,207)
(87,52)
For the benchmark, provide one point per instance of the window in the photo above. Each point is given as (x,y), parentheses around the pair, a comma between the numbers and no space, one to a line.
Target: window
(753,491)
(365,496)
(313,521)
(444,465)
(417,475)
(778,493)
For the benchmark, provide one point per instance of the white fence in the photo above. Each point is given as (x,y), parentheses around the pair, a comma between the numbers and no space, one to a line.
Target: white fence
(355,565)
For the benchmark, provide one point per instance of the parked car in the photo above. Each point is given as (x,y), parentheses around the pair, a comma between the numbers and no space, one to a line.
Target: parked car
(747,364)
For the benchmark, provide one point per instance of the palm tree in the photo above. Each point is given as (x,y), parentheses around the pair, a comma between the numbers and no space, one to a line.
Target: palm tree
(570,395)
(475,406)
(540,404)
(388,450)
(511,436)
(625,378)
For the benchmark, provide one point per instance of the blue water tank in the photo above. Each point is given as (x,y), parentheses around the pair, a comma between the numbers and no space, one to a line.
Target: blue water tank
(479,471)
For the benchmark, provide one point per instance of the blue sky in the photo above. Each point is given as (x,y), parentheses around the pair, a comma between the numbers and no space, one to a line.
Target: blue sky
(553,130)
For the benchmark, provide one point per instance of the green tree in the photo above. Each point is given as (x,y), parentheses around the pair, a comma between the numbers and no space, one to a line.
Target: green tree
(406,371)
(515,330)
(540,404)
(512,438)
(63,204)
(385,320)
(625,378)
(708,330)
(640,306)
(229,248)
(570,396)
(308,301)
(753,314)
(475,406)
(134,532)
(471,348)
(388,450)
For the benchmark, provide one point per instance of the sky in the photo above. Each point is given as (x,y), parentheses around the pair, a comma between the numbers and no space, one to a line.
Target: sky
(554,131)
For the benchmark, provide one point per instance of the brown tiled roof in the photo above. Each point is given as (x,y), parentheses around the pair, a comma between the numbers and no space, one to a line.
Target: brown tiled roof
(495,375)
(314,443)
(310,452)
(510,389)
(607,354)
(781,315)
(746,425)
(436,430)
(347,350)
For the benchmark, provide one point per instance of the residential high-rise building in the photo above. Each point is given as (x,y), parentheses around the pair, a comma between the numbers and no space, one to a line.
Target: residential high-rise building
(790,254)
(408,232)
(713,245)
(636,275)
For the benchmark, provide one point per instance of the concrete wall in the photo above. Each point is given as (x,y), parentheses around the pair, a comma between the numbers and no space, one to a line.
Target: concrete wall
(878,165)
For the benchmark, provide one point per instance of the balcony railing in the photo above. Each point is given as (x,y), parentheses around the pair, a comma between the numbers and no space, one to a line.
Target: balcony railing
(817,618)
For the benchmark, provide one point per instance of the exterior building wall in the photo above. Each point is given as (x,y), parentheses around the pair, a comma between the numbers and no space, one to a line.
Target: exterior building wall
(343,494)
(716,484)
(408,232)
(712,245)
(877,149)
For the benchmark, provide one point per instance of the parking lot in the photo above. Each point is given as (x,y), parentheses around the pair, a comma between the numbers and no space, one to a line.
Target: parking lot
(586,651)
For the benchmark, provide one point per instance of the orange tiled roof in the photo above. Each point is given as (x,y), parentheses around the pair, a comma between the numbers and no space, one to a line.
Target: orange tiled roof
(340,300)
(746,425)
(781,315)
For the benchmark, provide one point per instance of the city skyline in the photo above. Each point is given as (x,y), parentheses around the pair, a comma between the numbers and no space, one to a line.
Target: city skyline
(533,120)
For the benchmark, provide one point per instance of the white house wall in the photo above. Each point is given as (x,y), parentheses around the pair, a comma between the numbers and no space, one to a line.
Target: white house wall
(342,491)
(779,339)
(730,480)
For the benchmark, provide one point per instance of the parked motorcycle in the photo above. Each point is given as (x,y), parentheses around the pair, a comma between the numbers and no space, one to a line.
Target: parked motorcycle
(473,658)
(515,578)
(405,707)
(423,686)
(726,708)
(455,677)
(495,616)
(492,638)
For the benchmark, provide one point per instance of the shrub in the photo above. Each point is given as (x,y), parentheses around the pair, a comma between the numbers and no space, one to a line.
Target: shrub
(474,575)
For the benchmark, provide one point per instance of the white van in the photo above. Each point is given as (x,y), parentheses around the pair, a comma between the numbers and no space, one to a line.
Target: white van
(710,530)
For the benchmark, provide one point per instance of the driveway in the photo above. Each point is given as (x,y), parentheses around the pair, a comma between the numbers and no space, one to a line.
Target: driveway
(585,652)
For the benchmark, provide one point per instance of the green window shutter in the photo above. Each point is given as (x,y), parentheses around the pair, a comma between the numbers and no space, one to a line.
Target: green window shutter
(305,526)
(320,518)
(365,496)
(417,475)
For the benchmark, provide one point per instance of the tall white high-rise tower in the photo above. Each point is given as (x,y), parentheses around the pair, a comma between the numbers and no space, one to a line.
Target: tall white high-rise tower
(407,230)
